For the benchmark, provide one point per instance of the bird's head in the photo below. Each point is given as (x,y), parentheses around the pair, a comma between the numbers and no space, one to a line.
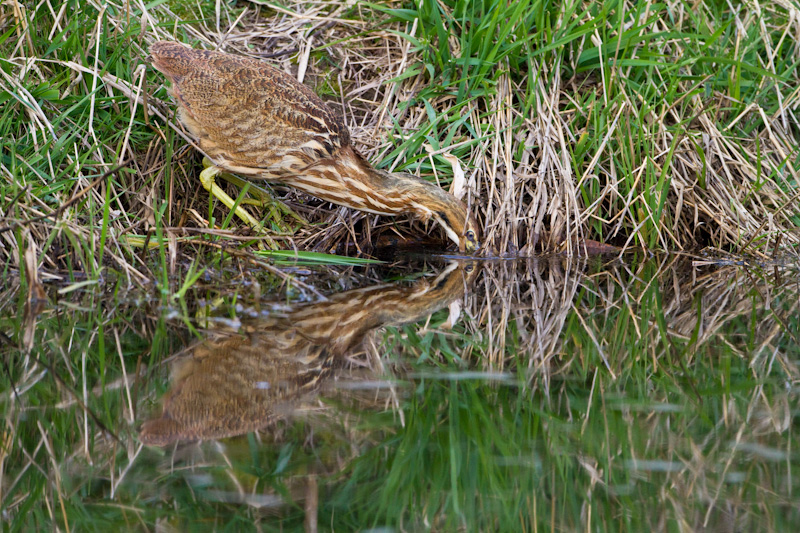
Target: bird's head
(472,235)
(459,225)
(427,200)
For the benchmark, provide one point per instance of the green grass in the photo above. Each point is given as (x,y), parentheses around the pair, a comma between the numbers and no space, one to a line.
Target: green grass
(649,125)
(641,394)
(291,257)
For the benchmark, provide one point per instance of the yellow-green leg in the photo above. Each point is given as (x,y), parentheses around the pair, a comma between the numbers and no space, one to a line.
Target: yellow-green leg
(207,179)
(262,198)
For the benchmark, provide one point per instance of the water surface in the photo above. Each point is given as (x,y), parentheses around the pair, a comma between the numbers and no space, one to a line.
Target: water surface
(618,394)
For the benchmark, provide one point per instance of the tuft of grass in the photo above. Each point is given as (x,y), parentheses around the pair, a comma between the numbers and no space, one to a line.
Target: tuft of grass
(643,124)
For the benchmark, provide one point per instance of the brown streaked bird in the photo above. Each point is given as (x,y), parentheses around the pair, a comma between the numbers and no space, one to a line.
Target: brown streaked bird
(252,119)
(244,382)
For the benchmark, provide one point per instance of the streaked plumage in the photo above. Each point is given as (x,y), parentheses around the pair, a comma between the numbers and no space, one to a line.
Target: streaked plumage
(252,119)
(247,381)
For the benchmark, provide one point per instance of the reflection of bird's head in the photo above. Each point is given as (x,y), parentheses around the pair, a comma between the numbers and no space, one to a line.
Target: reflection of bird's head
(454,280)
(343,319)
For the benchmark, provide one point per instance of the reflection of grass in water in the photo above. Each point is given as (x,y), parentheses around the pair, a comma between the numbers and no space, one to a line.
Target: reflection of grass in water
(699,421)
(688,430)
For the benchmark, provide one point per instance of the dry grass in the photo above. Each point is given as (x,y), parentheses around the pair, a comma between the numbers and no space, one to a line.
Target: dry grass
(588,138)
(526,308)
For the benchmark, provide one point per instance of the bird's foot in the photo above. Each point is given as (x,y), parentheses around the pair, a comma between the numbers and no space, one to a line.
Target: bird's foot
(262,198)
(207,179)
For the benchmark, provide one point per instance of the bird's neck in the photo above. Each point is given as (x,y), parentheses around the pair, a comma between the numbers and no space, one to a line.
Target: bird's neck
(424,199)
(392,193)
(420,197)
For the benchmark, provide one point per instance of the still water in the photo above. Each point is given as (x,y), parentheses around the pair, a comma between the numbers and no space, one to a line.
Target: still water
(439,394)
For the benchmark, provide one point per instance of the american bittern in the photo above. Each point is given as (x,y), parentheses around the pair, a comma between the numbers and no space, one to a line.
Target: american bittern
(254,120)
(246,382)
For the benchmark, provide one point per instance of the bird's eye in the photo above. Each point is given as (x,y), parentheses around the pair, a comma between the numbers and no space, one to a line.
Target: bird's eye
(470,235)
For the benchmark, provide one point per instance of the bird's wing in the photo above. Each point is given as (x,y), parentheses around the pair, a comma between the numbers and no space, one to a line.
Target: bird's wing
(248,116)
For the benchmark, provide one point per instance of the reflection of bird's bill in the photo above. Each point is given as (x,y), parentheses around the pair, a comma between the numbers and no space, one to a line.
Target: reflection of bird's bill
(451,266)
(468,267)
(447,290)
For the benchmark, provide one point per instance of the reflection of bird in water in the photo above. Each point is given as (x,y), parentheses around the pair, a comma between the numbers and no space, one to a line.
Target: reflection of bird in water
(245,382)
(254,120)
